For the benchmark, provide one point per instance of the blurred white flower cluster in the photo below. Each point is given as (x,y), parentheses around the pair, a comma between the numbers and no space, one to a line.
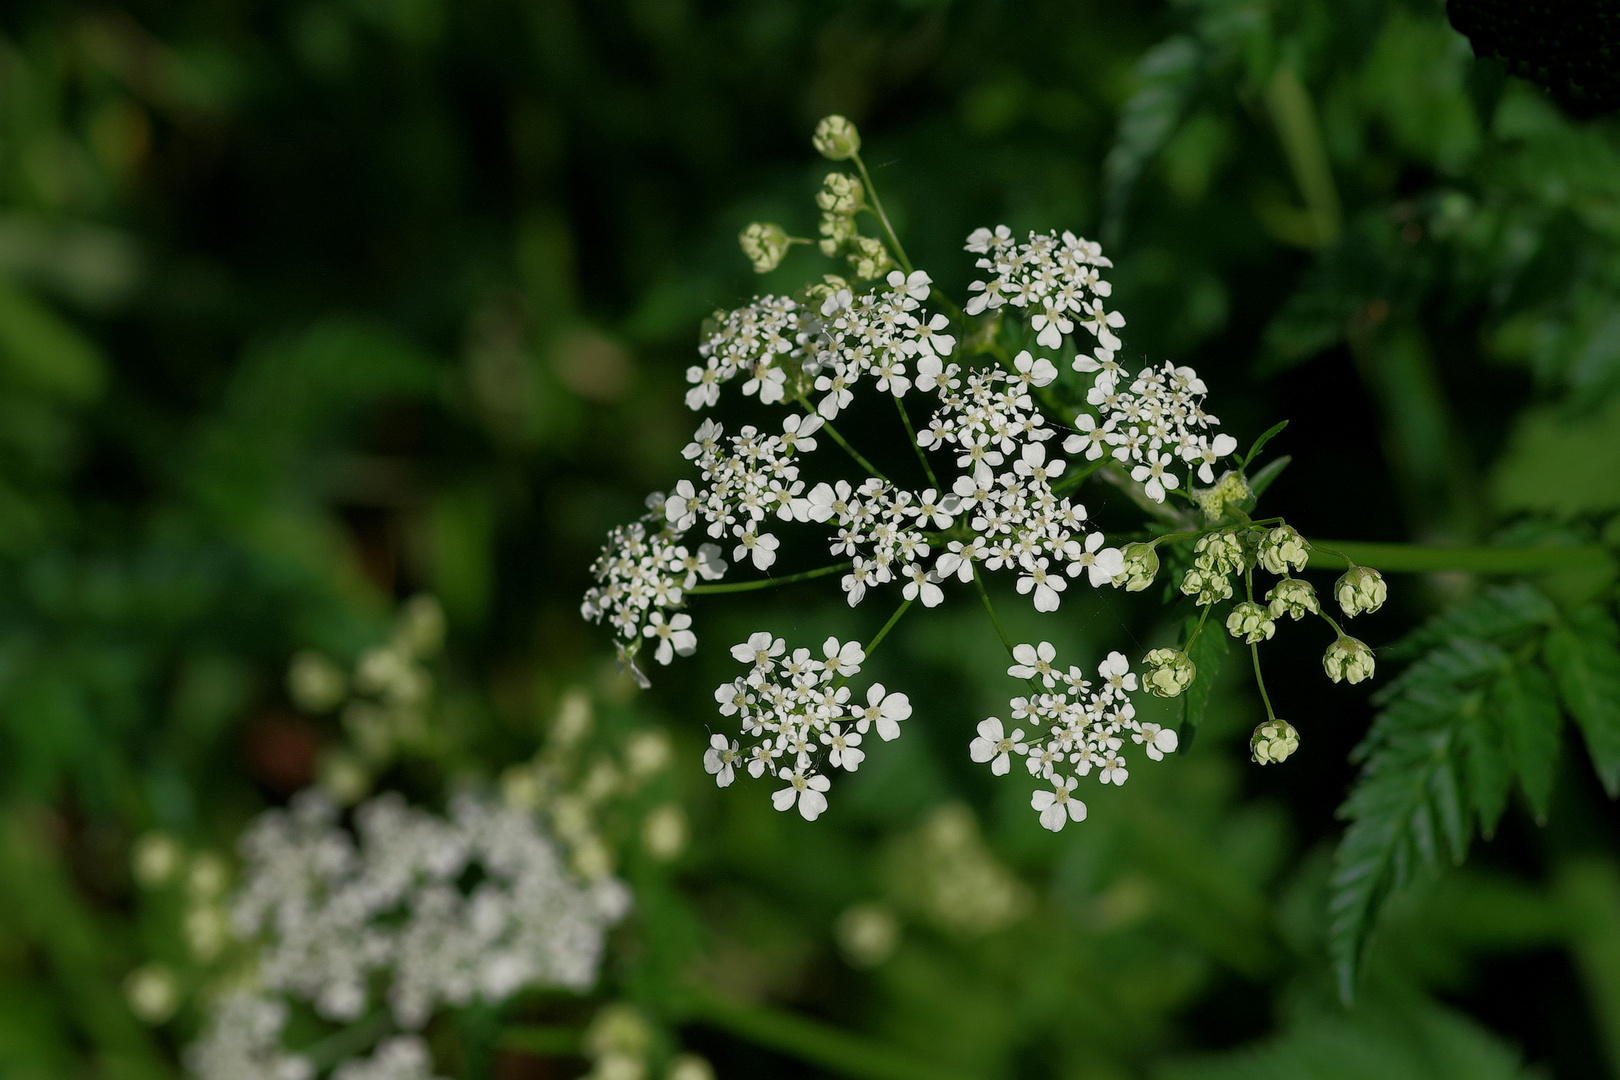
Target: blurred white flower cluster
(410,913)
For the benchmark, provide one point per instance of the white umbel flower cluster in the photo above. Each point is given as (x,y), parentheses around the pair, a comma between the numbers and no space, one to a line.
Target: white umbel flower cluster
(1052,279)
(344,919)
(799,710)
(996,496)
(1085,727)
(846,337)
(643,574)
(1151,426)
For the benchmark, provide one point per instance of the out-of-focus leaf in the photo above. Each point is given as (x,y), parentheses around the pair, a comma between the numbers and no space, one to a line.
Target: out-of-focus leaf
(1206,653)
(1560,464)
(1524,708)
(1584,658)
(41,352)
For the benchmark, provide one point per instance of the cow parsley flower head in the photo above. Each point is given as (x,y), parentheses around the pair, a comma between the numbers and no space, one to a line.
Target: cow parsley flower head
(1000,412)
(410,912)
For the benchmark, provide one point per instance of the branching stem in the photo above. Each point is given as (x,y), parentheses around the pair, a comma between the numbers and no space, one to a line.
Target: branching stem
(767,583)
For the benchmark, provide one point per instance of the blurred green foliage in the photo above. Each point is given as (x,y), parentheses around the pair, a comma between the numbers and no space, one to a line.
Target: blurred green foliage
(305,308)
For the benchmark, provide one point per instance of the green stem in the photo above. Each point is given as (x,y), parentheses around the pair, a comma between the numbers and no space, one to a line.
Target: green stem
(872,645)
(1069,483)
(911,433)
(841,441)
(767,583)
(1429,558)
(1254,651)
(991,611)
(877,209)
(1203,617)
(542,1041)
(807,1040)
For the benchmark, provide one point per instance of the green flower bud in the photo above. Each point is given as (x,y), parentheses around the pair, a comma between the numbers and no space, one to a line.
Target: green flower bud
(836,138)
(840,194)
(1229,494)
(1283,550)
(1273,741)
(1361,589)
(868,258)
(1141,564)
(1294,598)
(1221,552)
(836,231)
(765,244)
(1251,622)
(1207,586)
(153,993)
(1349,659)
(1170,671)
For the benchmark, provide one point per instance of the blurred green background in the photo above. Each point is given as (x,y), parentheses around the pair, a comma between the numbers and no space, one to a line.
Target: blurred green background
(309,307)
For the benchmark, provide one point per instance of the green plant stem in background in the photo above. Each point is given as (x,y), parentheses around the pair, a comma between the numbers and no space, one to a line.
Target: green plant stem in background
(877,211)
(767,583)
(911,435)
(872,645)
(542,1041)
(1428,558)
(841,441)
(809,1041)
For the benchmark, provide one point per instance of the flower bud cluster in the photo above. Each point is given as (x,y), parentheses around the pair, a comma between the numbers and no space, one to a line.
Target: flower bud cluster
(1282,551)
(1170,672)
(1293,597)
(1273,742)
(1084,725)
(765,244)
(836,138)
(1348,659)
(1141,567)
(1361,589)
(1251,622)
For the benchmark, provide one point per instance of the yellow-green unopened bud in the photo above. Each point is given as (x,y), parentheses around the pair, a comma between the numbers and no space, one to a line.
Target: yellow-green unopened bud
(314,683)
(1221,552)
(840,194)
(1348,659)
(1206,586)
(1170,672)
(765,244)
(868,258)
(1251,622)
(836,138)
(1283,550)
(1231,492)
(156,859)
(1294,598)
(1141,565)
(153,993)
(1273,741)
(1361,589)
(836,230)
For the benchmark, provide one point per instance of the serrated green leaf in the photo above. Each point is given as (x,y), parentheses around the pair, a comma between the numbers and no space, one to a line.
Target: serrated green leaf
(1487,766)
(1460,662)
(1524,707)
(1206,653)
(1503,611)
(1405,792)
(1582,655)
